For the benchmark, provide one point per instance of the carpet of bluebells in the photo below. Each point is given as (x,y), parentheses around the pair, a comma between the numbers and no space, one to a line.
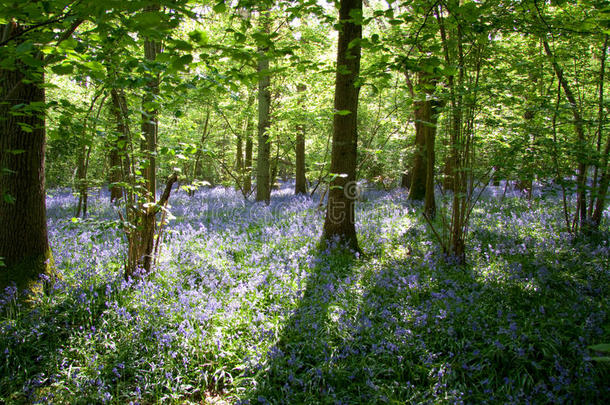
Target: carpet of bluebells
(243,307)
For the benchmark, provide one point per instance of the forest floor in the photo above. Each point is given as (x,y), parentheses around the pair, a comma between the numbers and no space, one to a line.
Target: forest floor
(244,308)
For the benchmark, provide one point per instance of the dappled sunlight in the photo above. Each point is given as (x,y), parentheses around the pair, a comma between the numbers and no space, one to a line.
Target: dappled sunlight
(243,303)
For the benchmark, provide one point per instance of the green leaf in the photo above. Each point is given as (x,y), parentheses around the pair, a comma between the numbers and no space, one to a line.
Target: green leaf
(69,43)
(343,112)
(220,7)
(604,347)
(239,37)
(182,45)
(63,69)
(24,47)
(9,199)
(604,359)
(181,62)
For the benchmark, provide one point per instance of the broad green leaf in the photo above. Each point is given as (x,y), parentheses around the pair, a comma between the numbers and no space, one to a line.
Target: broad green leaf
(67,44)
(63,69)
(220,7)
(24,47)
(181,62)
(603,347)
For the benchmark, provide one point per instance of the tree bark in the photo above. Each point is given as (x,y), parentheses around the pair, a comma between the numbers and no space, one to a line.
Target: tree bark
(141,239)
(150,123)
(263,190)
(119,160)
(601,188)
(429,200)
(425,112)
(24,245)
(300,185)
(340,222)
(417,189)
(248,158)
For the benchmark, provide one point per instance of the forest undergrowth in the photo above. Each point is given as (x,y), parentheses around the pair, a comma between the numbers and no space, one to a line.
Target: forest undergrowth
(243,307)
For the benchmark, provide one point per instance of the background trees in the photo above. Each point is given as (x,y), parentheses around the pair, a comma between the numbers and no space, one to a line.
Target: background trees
(450,92)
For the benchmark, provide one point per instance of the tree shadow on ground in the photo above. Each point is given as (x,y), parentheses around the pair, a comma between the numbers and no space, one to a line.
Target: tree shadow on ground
(302,366)
(409,330)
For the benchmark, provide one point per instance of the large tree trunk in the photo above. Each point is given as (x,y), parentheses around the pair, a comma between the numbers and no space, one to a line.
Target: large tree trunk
(340,221)
(24,245)
(300,185)
(263,190)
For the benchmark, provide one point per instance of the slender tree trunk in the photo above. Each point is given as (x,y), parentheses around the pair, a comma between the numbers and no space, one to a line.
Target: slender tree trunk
(141,239)
(150,123)
(581,178)
(300,185)
(24,245)
(120,169)
(117,145)
(601,187)
(430,201)
(81,180)
(199,153)
(239,154)
(340,221)
(263,191)
(275,166)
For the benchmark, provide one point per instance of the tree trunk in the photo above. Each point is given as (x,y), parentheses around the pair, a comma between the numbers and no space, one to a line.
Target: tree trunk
(340,222)
(581,178)
(263,191)
(150,123)
(120,169)
(248,158)
(24,245)
(422,180)
(275,166)
(417,189)
(598,198)
(430,201)
(141,239)
(119,161)
(602,190)
(81,180)
(405,179)
(300,185)
(239,154)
